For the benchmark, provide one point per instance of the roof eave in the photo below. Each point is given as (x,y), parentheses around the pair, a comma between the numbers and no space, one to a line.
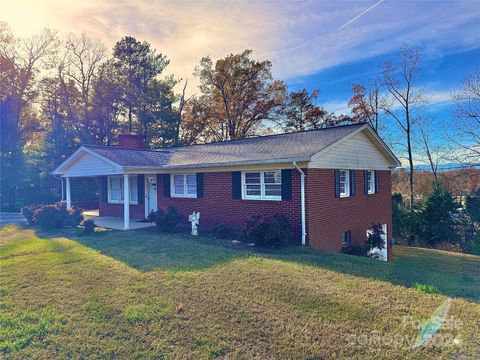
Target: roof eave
(221,164)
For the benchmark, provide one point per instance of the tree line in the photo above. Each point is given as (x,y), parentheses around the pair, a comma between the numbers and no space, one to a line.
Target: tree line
(56,94)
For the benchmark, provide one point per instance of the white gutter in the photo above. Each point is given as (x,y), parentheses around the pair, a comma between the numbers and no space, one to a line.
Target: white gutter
(302,200)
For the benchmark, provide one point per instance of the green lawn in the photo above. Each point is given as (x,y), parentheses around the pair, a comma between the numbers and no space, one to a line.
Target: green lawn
(144,295)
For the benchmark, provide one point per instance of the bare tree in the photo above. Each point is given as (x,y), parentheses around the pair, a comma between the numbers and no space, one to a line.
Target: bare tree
(404,99)
(434,152)
(82,58)
(467,116)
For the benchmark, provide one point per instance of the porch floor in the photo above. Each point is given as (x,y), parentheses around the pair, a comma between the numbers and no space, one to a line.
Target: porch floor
(112,222)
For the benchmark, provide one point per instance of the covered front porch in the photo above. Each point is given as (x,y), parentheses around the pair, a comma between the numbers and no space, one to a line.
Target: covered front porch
(112,222)
(126,196)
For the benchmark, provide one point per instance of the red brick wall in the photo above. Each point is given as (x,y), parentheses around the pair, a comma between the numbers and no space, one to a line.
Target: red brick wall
(136,211)
(328,217)
(218,207)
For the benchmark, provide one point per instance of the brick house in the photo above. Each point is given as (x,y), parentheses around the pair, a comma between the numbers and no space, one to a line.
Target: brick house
(332,184)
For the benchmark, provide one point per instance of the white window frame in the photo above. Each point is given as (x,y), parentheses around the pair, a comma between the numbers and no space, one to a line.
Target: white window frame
(346,193)
(130,183)
(349,234)
(371,181)
(262,195)
(185,194)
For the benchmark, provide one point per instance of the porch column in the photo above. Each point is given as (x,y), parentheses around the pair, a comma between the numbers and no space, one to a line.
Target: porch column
(126,203)
(69,198)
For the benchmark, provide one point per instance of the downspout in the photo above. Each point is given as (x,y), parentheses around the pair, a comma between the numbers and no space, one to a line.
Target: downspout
(302,200)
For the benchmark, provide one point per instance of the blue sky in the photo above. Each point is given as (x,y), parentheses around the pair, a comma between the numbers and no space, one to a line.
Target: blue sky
(312,44)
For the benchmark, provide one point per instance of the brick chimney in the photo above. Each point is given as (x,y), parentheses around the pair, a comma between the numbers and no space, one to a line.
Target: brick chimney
(130,141)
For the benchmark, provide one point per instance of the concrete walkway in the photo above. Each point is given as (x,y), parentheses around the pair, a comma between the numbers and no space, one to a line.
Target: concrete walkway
(112,222)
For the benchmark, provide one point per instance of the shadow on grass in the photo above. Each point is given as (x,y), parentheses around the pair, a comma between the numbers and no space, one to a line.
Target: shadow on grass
(454,275)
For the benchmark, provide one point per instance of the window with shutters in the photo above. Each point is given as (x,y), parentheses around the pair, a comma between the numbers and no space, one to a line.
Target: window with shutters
(184,185)
(262,185)
(115,189)
(371,182)
(344,180)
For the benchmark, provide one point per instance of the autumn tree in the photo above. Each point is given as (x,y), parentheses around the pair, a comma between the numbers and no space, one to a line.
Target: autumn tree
(366,103)
(467,119)
(404,100)
(237,96)
(301,113)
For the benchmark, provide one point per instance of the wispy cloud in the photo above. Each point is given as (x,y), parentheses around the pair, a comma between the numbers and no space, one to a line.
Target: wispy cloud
(299,37)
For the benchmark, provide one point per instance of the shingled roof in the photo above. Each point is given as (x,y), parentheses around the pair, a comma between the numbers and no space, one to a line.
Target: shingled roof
(298,146)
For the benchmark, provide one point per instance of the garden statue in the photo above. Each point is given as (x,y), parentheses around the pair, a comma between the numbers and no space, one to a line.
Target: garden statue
(194,219)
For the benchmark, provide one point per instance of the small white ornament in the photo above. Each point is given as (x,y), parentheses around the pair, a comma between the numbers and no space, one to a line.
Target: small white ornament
(194,219)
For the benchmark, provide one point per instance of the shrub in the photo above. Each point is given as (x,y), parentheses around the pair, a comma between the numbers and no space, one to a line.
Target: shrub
(89,226)
(53,216)
(429,289)
(224,232)
(28,212)
(167,221)
(48,217)
(72,217)
(271,231)
(375,240)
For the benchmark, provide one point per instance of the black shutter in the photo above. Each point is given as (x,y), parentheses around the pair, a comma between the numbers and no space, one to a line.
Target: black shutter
(287,184)
(337,183)
(377,181)
(104,185)
(365,182)
(353,186)
(166,185)
(236,184)
(141,189)
(200,185)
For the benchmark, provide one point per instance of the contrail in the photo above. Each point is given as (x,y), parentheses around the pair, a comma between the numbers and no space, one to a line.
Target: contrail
(362,13)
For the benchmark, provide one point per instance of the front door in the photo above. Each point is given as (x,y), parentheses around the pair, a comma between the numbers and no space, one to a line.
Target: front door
(150,194)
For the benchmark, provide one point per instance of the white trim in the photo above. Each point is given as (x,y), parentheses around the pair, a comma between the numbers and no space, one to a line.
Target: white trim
(262,184)
(126,205)
(77,153)
(69,196)
(185,186)
(371,182)
(109,192)
(347,183)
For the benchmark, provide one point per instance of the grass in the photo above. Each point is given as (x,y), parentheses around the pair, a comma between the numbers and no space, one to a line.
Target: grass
(149,296)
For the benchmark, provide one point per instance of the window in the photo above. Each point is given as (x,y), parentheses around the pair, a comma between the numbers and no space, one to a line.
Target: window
(347,238)
(371,182)
(262,185)
(184,185)
(115,189)
(344,183)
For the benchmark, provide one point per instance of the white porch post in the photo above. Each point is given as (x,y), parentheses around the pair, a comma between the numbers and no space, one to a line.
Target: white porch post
(69,198)
(126,203)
